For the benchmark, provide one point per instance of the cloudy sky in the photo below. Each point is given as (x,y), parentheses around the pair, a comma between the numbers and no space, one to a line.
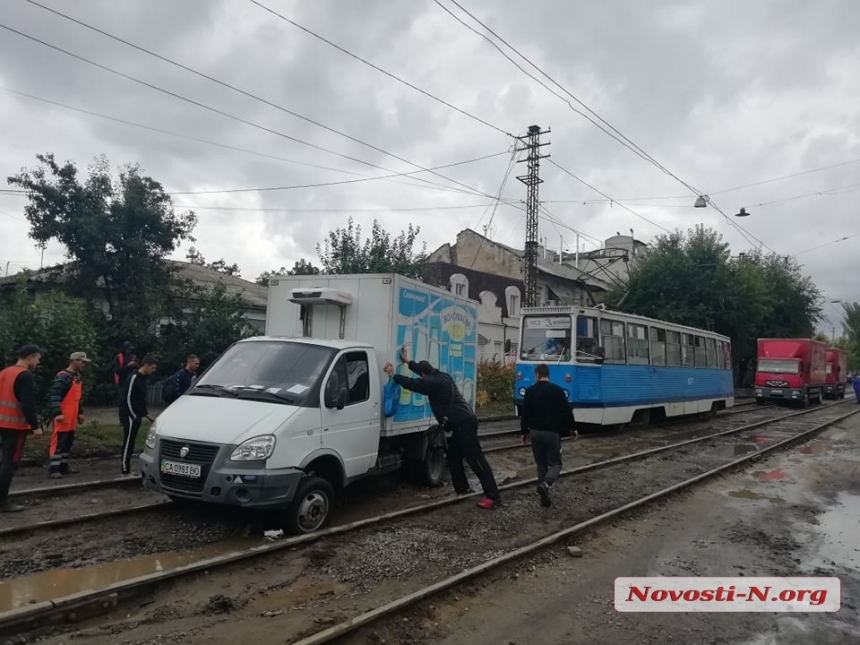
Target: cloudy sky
(722,94)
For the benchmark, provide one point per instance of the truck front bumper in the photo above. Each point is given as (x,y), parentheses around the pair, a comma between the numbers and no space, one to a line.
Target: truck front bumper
(219,480)
(784,393)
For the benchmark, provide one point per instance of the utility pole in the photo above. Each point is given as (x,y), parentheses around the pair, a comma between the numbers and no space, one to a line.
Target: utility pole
(532,180)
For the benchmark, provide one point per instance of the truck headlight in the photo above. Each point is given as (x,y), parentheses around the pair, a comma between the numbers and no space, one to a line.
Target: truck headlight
(255,449)
(150,437)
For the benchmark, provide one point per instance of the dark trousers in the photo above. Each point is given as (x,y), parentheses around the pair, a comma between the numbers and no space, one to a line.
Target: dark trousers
(11,450)
(129,436)
(464,444)
(546,448)
(60,451)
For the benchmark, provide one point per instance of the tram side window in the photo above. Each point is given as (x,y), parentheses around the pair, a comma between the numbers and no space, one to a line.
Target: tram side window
(613,341)
(711,346)
(658,347)
(721,357)
(687,356)
(637,344)
(587,339)
(700,352)
(673,349)
(727,353)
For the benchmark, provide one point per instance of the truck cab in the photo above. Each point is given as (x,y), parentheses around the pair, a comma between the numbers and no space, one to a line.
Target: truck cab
(790,370)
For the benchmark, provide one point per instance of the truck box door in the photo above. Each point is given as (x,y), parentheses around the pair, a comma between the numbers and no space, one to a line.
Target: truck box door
(352,432)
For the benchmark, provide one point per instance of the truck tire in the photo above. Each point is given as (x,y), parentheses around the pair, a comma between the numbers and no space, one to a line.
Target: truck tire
(311,508)
(433,467)
(805,401)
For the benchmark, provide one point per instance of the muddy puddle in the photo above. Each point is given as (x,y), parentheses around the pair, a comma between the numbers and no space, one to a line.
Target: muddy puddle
(839,526)
(748,494)
(56,583)
(816,448)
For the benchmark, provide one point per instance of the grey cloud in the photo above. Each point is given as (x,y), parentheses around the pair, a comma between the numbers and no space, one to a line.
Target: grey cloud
(721,93)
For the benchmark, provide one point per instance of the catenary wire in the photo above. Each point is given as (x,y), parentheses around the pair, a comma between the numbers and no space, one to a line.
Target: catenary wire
(468,189)
(379,69)
(627,142)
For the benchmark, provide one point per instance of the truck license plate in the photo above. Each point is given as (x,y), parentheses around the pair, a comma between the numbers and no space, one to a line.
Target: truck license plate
(192,471)
(776,391)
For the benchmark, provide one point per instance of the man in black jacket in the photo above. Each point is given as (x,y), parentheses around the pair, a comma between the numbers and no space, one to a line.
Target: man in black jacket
(132,408)
(546,417)
(455,416)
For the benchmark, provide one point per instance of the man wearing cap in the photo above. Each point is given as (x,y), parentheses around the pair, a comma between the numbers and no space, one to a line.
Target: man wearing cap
(17,417)
(455,416)
(67,413)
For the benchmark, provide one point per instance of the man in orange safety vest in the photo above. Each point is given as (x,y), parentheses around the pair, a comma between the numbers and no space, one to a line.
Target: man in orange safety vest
(66,411)
(17,417)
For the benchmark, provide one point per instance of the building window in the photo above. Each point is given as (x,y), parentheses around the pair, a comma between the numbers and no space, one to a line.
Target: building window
(514,306)
(460,289)
(459,285)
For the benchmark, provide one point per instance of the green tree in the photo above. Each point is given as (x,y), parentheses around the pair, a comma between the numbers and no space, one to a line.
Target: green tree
(56,323)
(196,257)
(301,267)
(206,324)
(116,232)
(851,322)
(691,279)
(344,252)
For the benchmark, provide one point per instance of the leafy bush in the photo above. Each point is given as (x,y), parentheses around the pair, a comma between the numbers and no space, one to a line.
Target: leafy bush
(56,323)
(495,383)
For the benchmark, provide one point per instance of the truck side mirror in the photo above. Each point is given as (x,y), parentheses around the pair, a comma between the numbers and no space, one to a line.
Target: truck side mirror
(342,399)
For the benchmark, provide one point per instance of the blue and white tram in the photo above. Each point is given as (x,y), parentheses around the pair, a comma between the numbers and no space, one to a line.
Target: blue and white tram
(624,368)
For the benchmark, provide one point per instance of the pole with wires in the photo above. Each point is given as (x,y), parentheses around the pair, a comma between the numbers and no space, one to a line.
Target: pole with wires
(532,180)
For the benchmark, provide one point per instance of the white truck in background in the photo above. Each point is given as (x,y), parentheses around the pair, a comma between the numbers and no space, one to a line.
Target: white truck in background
(285,421)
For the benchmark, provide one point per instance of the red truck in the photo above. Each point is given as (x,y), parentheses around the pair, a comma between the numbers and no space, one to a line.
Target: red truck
(790,369)
(836,372)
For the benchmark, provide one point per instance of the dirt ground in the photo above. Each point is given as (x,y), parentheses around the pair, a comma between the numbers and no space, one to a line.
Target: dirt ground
(795,514)
(756,523)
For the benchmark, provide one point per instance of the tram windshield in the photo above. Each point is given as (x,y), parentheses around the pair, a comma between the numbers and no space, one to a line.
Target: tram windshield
(778,366)
(546,338)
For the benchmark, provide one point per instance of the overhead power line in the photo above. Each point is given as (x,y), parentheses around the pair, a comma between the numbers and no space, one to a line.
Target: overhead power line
(821,246)
(406,209)
(209,108)
(600,192)
(627,142)
(379,69)
(328,183)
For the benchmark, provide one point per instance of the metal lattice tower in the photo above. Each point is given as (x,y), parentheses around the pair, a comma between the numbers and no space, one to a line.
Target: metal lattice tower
(532,180)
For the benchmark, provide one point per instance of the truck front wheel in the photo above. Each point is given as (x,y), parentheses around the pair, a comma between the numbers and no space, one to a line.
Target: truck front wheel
(311,508)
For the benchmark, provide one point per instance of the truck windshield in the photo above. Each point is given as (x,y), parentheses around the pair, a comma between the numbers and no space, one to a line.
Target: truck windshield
(272,371)
(546,338)
(776,366)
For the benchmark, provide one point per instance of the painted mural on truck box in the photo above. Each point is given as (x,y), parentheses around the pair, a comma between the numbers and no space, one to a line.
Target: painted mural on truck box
(444,332)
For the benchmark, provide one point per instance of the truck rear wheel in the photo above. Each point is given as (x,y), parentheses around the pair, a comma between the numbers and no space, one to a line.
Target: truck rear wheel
(311,508)
(432,467)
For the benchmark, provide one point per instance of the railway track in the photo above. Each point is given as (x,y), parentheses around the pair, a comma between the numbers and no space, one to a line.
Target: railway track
(129,502)
(715,459)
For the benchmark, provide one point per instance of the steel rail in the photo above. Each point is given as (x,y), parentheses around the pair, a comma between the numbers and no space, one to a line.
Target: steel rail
(667,422)
(362,620)
(60,522)
(99,601)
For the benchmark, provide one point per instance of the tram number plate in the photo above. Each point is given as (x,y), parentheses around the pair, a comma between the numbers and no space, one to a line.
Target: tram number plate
(192,471)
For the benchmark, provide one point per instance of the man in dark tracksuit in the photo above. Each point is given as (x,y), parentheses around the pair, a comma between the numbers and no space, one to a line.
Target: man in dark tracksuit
(545,418)
(18,416)
(454,415)
(132,408)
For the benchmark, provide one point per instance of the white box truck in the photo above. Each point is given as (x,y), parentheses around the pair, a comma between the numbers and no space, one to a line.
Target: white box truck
(286,420)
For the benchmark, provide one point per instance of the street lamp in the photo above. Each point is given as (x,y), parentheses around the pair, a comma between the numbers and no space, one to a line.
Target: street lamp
(701,201)
(743,213)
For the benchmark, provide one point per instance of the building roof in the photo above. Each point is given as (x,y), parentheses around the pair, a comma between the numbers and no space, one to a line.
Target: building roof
(252,294)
